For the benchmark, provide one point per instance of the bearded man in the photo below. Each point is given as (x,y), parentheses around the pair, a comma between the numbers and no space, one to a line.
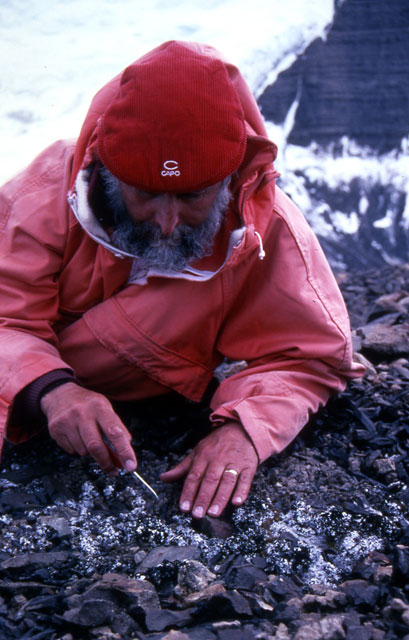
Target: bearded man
(173,252)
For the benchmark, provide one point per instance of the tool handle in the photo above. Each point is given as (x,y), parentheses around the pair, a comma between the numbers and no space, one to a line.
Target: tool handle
(112,452)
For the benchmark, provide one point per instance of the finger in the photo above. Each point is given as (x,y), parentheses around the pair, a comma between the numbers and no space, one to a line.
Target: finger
(74,436)
(243,486)
(64,444)
(224,491)
(191,485)
(96,448)
(179,471)
(69,441)
(120,439)
(208,488)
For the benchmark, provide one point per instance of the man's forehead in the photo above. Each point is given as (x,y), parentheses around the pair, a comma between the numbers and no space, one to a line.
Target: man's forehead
(207,190)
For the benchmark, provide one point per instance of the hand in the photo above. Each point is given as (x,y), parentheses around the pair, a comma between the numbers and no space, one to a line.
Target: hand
(78,417)
(209,485)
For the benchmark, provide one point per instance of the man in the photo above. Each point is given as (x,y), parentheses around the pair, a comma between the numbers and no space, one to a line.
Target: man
(173,252)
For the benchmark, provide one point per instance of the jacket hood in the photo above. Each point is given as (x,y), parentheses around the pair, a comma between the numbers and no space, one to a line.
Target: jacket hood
(243,142)
(194,55)
(175,125)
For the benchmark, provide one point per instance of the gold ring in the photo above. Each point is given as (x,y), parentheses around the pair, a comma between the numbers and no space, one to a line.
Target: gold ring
(233,471)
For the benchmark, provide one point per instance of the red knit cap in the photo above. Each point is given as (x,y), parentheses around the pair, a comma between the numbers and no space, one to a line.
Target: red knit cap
(176,124)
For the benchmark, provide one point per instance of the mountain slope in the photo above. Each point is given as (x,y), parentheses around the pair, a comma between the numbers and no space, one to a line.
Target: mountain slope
(342,113)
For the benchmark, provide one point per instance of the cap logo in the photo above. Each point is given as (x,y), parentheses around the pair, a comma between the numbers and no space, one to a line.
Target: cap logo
(170,168)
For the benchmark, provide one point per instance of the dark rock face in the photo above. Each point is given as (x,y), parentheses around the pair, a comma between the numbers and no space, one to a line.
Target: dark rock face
(355,83)
(372,244)
(347,98)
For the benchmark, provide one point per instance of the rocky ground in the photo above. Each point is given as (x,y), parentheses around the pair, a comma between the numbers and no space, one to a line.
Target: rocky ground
(319,551)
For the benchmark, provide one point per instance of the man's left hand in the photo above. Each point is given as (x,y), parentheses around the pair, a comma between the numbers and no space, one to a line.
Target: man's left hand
(221,467)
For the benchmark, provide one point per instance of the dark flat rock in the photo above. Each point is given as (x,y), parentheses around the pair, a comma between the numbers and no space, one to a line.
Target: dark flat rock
(169,554)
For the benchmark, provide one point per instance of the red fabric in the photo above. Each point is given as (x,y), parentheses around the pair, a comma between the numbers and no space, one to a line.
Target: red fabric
(66,300)
(176,123)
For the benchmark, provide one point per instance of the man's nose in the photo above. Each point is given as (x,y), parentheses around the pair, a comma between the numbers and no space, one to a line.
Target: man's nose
(166,213)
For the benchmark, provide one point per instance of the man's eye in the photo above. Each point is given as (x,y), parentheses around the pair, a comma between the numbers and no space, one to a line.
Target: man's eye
(191,195)
(148,194)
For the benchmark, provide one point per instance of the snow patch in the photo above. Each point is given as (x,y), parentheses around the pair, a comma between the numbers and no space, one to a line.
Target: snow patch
(347,223)
(385,222)
(56,57)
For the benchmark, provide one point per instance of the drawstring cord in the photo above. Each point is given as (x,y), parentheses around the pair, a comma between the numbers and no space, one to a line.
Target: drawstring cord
(261,253)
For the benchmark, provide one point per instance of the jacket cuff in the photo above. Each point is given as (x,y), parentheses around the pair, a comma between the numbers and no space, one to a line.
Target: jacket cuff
(27,403)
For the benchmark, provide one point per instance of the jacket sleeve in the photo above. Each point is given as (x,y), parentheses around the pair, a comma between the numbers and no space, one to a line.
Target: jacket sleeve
(32,241)
(288,321)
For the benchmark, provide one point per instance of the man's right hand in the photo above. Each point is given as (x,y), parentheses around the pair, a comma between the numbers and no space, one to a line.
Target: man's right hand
(78,417)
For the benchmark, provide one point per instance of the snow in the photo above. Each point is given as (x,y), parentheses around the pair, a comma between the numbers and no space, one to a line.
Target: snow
(347,223)
(337,171)
(384,222)
(55,56)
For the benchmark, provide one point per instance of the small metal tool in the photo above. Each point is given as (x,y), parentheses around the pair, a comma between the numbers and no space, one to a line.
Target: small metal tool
(115,459)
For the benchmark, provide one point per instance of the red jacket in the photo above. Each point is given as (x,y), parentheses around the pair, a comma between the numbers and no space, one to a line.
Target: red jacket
(69,300)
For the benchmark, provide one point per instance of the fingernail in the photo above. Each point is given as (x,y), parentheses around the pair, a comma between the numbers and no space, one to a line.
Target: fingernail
(214,510)
(130,465)
(198,512)
(237,500)
(185,506)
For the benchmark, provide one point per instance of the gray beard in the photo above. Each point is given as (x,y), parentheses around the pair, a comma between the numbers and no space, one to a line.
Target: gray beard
(145,240)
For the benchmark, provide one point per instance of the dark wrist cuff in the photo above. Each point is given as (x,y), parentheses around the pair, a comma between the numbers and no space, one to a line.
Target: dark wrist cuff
(28,400)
